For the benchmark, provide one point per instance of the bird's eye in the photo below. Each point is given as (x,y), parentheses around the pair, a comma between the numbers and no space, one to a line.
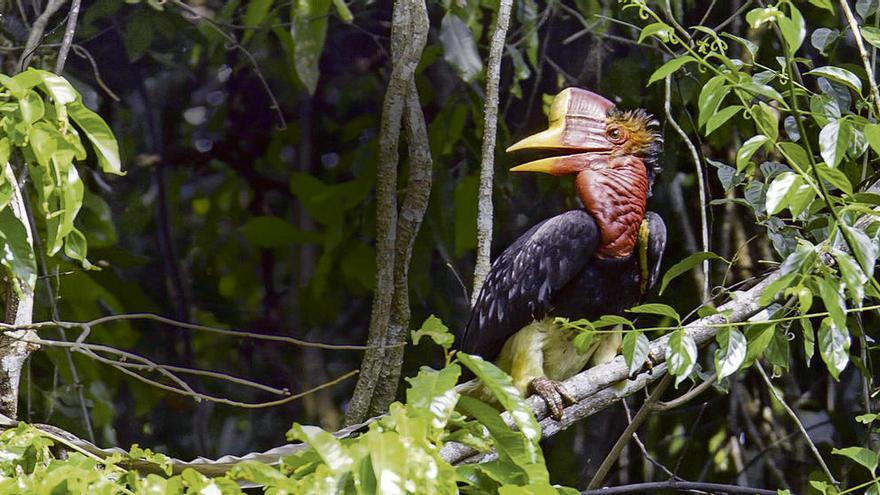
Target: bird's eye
(615,135)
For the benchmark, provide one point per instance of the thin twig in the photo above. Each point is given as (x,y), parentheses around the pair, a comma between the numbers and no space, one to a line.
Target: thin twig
(625,437)
(869,71)
(686,397)
(701,182)
(36,32)
(644,449)
(797,421)
(681,486)
(487,162)
(83,53)
(69,31)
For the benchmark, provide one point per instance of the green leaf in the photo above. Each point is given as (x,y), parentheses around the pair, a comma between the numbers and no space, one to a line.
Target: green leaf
(758,337)
(731,352)
(834,346)
(829,291)
(18,253)
(834,139)
(76,247)
(809,339)
(780,284)
(343,11)
(32,108)
(308,30)
(867,458)
(711,95)
(757,17)
(766,120)
(256,12)
(497,382)
(434,329)
(328,447)
(460,47)
(682,355)
(138,35)
(778,352)
(761,90)
(838,74)
(867,419)
(872,134)
(781,190)
(659,29)
(748,149)
(584,340)
(824,4)
(871,35)
(865,249)
(635,350)
(656,309)
(669,67)
(100,135)
(719,118)
(853,277)
(433,393)
(513,449)
(685,265)
(793,28)
(835,177)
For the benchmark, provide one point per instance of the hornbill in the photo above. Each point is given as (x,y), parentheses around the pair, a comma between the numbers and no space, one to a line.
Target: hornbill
(584,263)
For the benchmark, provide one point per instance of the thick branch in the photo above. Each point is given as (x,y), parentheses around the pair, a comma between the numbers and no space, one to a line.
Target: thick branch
(487,165)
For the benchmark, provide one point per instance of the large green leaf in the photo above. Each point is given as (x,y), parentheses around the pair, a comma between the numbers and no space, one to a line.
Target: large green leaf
(867,458)
(838,74)
(781,190)
(308,30)
(656,309)
(434,329)
(830,292)
(718,119)
(512,446)
(793,28)
(100,135)
(433,393)
(853,277)
(330,449)
(834,139)
(501,386)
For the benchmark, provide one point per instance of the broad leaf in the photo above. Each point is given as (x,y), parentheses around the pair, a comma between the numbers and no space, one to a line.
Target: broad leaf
(460,48)
(682,355)
(781,190)
(434,329)
(711,95)
(100,135)
(719,118)
(834,139)
(731,352)
(656,309)
(748,149)
(838,74)
(834,345)
(433,392)
(635,350)
(867,458)
(793,28)
(308,30)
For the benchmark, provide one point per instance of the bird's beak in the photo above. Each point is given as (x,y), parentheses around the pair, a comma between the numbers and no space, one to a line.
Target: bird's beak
(577,125)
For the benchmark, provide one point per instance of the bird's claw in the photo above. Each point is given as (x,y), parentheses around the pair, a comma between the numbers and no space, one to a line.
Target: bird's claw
(554,394)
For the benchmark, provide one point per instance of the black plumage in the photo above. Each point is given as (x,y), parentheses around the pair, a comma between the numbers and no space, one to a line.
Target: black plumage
(551,271)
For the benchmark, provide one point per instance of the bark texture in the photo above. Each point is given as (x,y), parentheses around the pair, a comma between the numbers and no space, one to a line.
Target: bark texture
(487,165)
(395,234)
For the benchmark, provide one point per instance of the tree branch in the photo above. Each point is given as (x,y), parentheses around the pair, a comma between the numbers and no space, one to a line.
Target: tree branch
(67,41)
(487,164)
(36,33)
(408,37)
(681,486)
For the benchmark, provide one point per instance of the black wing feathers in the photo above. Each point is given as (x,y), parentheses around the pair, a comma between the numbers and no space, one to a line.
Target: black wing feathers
(524,279)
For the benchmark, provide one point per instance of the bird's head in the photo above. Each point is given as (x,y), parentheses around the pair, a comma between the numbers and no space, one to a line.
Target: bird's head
(586,131)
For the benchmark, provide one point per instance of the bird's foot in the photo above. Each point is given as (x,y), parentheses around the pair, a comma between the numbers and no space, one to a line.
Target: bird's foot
(554,394)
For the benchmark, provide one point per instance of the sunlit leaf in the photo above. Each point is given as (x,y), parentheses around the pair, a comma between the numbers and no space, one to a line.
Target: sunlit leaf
(793,28)
(682,355)
(731,352)
(100,135)
(656,309)
(669,68)
(867,458)
(711,95)
(719,118)
(434,329)
(833,141)
(838,74)
(433,392)
(748,149)
(780,191)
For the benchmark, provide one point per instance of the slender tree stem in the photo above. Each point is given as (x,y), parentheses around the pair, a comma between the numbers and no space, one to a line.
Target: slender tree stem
(869,70)
(67,41)
(487,164)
